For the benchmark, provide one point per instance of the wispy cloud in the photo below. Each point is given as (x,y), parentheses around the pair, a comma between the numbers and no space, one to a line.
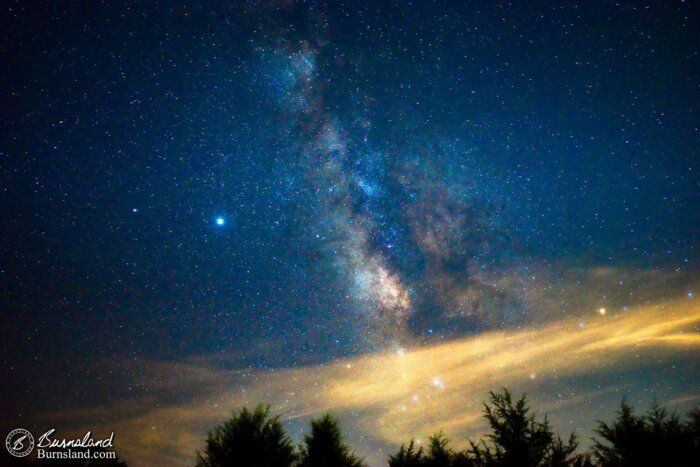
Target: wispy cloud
(388,397)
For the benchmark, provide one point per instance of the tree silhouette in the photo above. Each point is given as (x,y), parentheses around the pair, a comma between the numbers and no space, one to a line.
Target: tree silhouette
(562,454)
(655,438)
(325,447)
(408,456)
(439,454)
(518,439)
(694,432)
(248,439)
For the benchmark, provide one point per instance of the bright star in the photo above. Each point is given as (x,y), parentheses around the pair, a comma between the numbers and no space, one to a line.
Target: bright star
(220,221)
(437,382)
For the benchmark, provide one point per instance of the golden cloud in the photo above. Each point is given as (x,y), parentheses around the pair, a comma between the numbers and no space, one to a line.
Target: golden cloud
(389,397)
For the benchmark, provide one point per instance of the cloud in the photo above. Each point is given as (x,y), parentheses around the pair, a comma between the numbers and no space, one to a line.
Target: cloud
(389,397)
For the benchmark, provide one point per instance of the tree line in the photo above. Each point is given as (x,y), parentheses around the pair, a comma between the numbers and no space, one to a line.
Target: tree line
(517,438)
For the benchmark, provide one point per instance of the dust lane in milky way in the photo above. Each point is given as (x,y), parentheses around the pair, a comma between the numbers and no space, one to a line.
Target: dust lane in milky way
(382,210)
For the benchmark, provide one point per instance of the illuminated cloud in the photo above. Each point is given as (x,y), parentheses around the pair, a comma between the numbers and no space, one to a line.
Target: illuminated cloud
(388,397)
(404,225)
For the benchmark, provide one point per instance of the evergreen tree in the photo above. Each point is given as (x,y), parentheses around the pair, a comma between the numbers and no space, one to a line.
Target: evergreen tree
(408,456)
(439,454)
(325,447)
(655,438)
(693,427)
(248,439)
(518,439)
(561,454)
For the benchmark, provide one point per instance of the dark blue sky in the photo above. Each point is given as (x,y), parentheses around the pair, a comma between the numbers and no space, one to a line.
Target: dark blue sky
(387,173)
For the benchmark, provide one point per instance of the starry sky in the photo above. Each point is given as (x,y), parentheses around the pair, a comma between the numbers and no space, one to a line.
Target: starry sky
(382,209)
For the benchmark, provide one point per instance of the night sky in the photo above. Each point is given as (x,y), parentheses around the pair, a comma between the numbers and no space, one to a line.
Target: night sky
(382,209)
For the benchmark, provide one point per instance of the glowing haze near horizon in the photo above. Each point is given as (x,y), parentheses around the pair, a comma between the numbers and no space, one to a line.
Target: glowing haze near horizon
(380,211)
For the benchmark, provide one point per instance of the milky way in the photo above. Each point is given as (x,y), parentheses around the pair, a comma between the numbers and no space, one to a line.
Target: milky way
(381,210)
(403,235)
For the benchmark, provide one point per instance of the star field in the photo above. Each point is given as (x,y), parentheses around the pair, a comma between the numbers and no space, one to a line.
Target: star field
(206,204)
